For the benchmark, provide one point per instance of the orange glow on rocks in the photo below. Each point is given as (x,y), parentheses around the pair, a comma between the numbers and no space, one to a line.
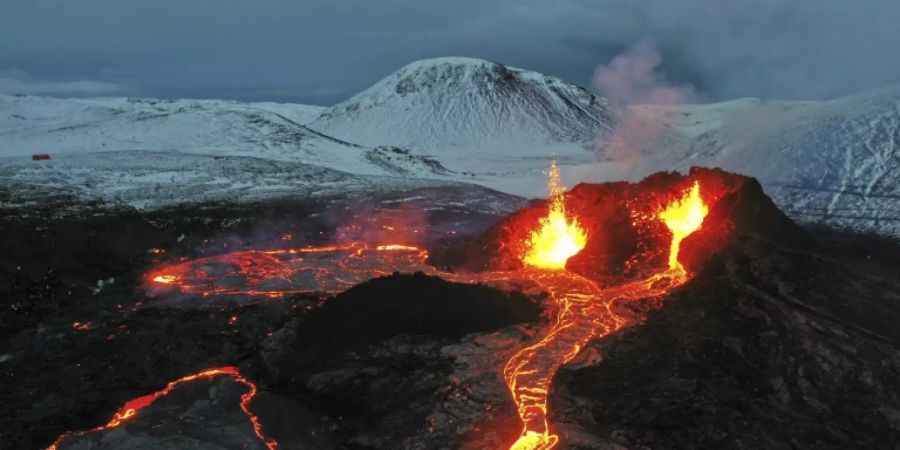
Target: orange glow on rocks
(273,273)
(559,236)
(588,312)
(642,224)
(132,407)
(165,279)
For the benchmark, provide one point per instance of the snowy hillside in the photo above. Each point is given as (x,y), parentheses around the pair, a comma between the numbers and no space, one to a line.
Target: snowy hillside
(835,162)
(448,120)
(457,109)
(302,114)
(151,179)
(30,124)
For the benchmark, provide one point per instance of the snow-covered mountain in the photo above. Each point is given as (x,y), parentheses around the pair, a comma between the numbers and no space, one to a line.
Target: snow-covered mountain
(449,120)
(835,162)
(459,108)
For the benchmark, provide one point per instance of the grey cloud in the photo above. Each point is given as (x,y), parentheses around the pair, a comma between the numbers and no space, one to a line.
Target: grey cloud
(322,51)
(16,81)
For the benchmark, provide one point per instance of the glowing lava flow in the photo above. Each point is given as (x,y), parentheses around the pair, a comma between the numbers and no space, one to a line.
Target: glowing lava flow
(587,312)
(683,217)
(273,273)
(131,408)
(559,237)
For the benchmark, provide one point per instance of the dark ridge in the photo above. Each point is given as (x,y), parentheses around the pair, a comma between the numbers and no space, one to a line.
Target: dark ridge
(764,336)
(371,357)
(411,304)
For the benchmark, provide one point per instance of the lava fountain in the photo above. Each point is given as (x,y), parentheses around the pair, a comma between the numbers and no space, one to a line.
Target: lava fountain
(586,312)
(682,218)
(559,236)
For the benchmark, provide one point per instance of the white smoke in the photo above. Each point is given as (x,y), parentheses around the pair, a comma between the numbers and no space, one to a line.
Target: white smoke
(629,79)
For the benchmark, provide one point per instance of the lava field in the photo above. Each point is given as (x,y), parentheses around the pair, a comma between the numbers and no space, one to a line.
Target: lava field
(682,311)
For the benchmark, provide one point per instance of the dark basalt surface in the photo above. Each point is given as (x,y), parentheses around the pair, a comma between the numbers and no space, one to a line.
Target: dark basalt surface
(767,347)
(55,377)
(785,338)
(371,357)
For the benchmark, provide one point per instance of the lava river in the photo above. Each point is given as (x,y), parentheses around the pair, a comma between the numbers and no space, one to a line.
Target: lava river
(584,310)
(131,408)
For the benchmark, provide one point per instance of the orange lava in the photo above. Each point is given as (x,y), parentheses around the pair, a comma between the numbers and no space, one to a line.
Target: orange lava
(587,312)
(273,273)
(82,326)
(132,407)
(683,217)
(559,236)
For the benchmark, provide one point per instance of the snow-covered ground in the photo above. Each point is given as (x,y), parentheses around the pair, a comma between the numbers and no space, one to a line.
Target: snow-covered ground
(481,118)
(149,153)
(151,179)
(440,122)
(835,162)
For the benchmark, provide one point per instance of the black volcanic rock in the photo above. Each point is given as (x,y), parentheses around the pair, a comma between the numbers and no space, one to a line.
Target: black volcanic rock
(779,340)
(408,304)
(371,357)
(767,347)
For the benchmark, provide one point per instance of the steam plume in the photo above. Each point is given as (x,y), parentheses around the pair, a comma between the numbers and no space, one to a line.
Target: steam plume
(631,79)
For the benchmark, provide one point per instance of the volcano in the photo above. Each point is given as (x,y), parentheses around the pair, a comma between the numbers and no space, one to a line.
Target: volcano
(680,311)
(625,237)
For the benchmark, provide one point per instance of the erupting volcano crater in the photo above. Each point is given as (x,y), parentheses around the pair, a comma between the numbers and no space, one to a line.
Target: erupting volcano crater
(605,254)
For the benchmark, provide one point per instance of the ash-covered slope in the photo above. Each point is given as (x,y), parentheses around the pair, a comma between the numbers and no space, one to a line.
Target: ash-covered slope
(468,104)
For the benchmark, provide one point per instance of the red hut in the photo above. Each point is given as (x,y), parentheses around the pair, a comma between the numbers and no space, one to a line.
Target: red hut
(40,156)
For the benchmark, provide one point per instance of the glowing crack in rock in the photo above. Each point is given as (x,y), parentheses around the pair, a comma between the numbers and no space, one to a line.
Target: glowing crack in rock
(274,273)
(133,407)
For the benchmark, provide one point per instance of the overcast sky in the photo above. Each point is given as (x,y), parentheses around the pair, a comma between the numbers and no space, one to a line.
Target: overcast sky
(322,51)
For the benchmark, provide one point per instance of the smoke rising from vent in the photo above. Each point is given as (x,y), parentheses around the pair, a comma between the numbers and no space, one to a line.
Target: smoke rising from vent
(631,78)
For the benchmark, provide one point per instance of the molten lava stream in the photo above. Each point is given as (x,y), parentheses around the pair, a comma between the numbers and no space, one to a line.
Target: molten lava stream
(273,273)
(585,313)
(131,408)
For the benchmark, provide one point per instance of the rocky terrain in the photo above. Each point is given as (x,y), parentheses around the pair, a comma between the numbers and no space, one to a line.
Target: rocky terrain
(768,333)
(767,348)
(442,122)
